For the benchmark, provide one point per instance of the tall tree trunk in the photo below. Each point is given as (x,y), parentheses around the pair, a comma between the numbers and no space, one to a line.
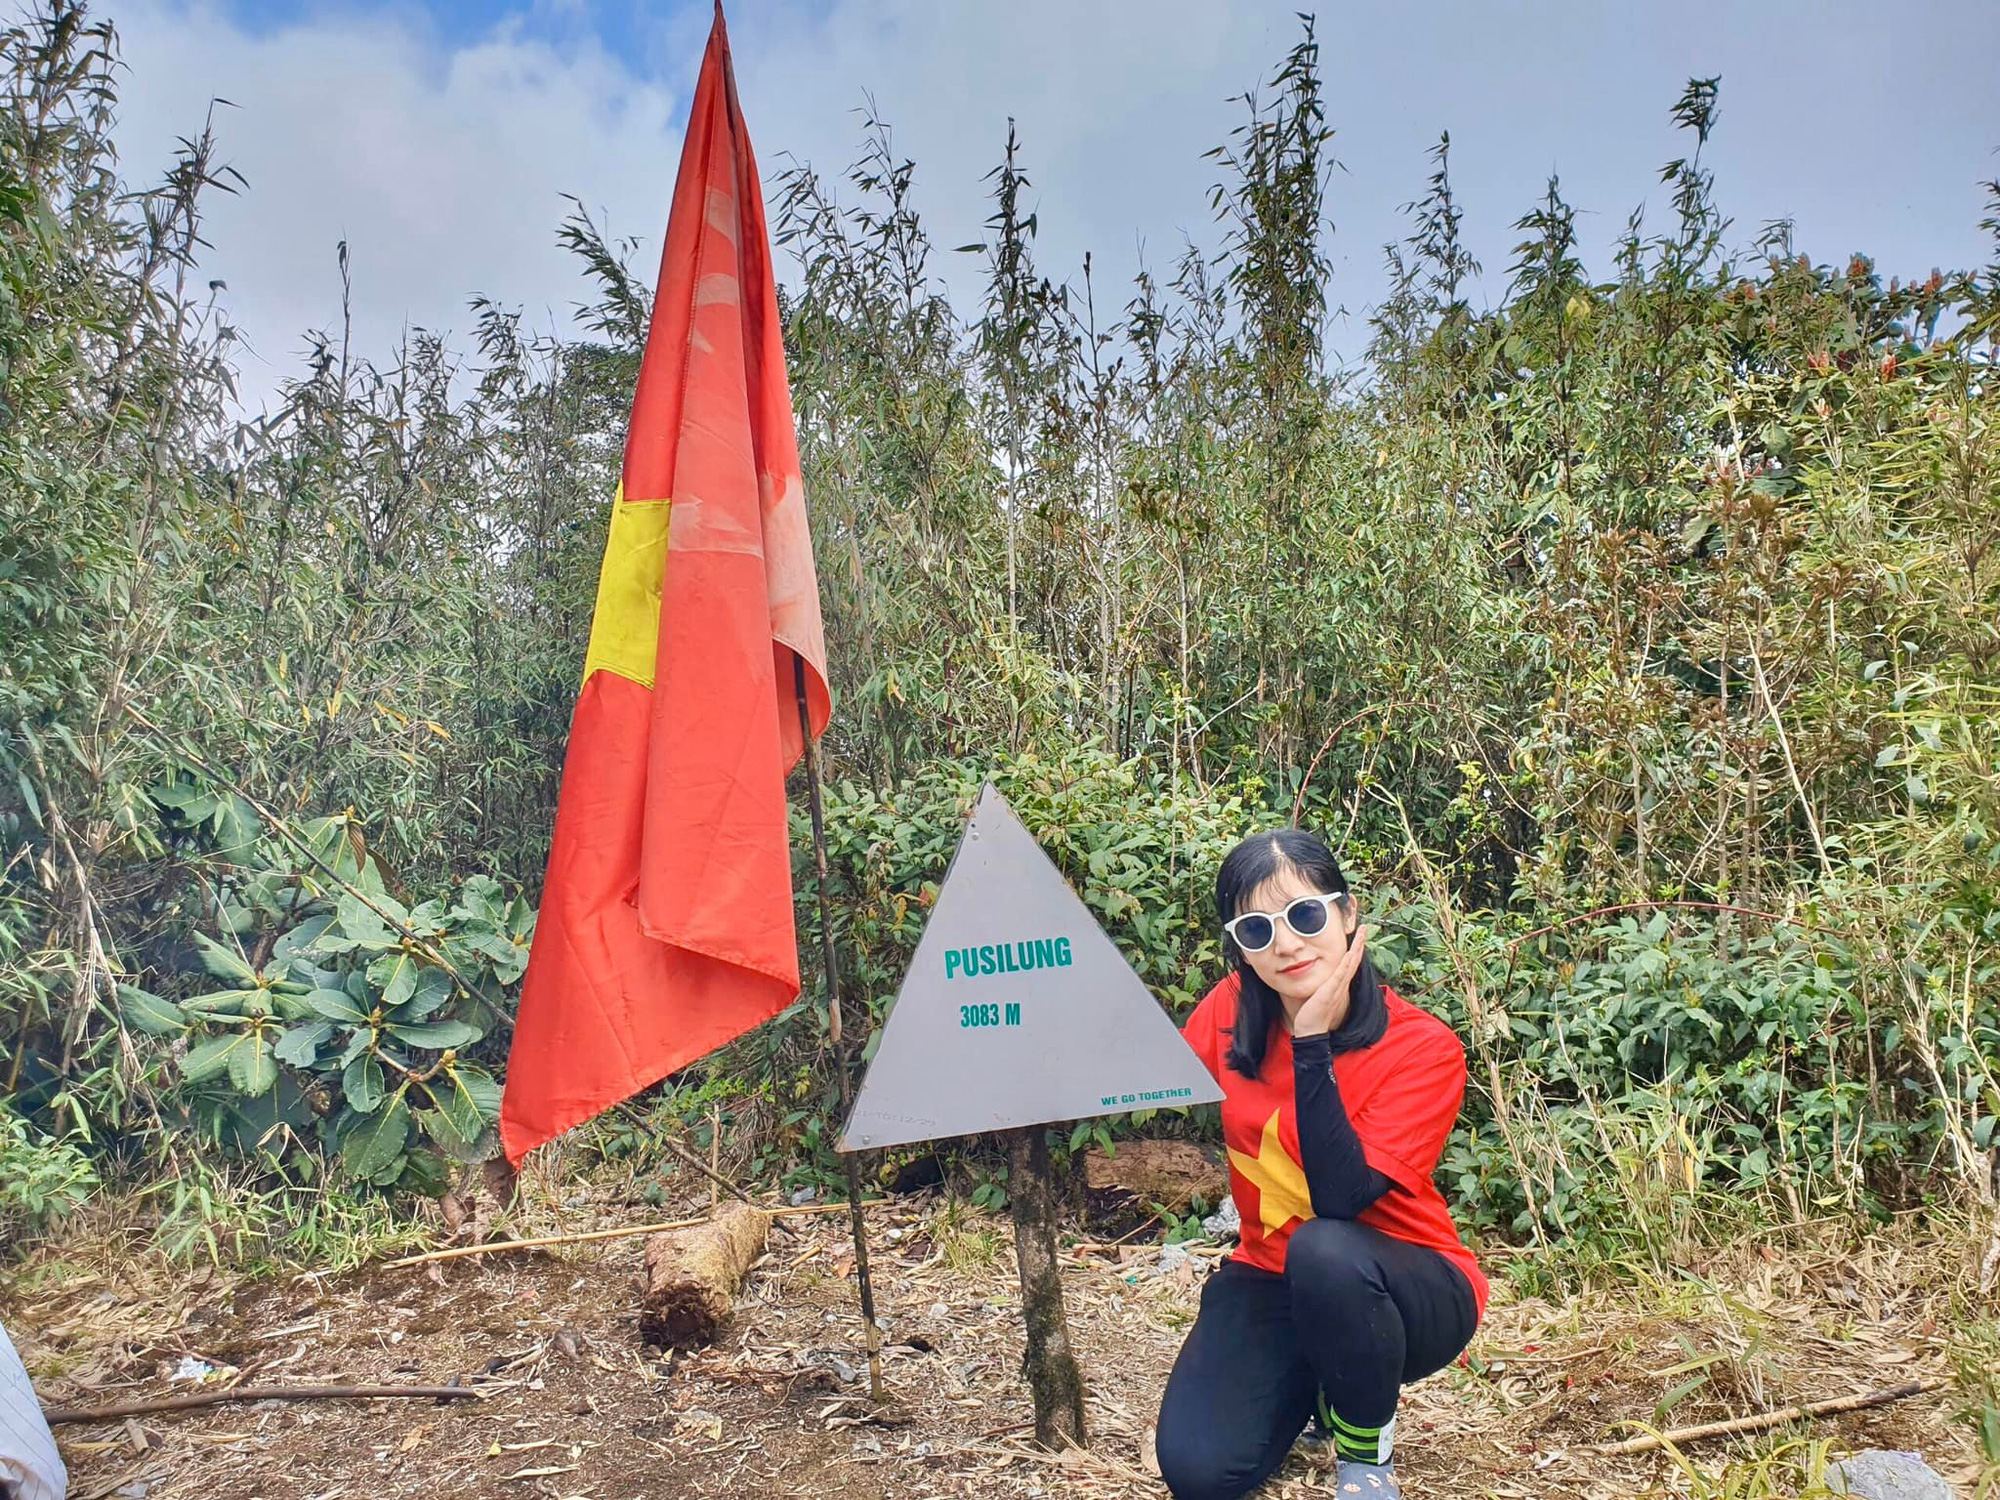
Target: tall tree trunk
(1053,1377)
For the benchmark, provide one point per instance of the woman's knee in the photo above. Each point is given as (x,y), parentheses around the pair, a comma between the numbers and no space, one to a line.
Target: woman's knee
(1195,1466)
(1334,1254)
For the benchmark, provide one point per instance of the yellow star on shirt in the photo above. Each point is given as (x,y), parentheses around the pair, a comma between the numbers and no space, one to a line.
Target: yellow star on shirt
(1282,1195)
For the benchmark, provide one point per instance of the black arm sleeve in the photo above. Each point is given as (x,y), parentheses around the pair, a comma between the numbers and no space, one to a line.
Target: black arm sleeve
(1337,1174)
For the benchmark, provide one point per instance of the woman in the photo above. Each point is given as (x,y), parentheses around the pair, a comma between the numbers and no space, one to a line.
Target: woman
(1350,1280)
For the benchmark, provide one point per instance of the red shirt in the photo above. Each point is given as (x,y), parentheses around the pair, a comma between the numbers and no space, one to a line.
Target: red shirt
(1401,1095)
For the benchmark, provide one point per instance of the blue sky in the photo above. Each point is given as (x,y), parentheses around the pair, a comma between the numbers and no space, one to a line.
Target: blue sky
(438,138)
(629,28)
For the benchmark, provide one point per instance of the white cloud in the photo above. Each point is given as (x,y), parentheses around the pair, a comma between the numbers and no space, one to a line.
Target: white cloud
(442,169)
(442,161)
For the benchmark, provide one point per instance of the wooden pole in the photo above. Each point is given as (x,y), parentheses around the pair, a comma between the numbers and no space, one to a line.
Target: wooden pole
(589,1236)
(1053,1377)
(829,967)
(1758,1421)
(715,1177)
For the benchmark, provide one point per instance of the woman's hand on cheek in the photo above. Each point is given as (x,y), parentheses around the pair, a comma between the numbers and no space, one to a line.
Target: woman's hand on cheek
(1326,1007)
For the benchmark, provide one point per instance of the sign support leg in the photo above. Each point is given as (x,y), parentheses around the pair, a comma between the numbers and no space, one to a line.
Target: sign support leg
(1053,1376)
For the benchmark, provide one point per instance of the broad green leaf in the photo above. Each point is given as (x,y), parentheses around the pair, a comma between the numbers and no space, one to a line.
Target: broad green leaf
(427,917)
(327,838)
(361,922)
(206,1059)
(357,1044)
(296,942)
(336,1005)
(433,990)
(251,1067)
(509,962)
(375,1144)
(480,899)
(444,1134)
(149,1013)
(395,976)
(479,1088)
(224,962)
(422,1172)
(191,801)
(300,1045)
(236,826)
(361,1082)
(218,1003)
(436,1033)
(469,1098)
(291,1004)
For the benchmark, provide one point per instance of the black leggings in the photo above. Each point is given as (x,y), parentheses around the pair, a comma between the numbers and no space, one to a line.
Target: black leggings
(1357,1315)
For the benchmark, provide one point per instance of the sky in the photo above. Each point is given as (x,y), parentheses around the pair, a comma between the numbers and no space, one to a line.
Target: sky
(439,137)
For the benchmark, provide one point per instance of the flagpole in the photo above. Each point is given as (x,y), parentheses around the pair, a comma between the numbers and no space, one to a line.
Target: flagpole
(830,969)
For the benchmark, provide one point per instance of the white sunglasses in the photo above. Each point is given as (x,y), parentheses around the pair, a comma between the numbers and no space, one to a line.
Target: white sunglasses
(1254,931)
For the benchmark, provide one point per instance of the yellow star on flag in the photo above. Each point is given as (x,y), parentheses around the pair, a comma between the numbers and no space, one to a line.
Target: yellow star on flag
(1282,1195)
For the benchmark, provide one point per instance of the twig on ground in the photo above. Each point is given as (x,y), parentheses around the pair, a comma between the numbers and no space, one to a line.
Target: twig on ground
(59,1414)
(1758,1421)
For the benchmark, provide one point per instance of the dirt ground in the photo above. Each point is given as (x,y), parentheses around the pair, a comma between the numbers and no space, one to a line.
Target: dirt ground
(571,1405)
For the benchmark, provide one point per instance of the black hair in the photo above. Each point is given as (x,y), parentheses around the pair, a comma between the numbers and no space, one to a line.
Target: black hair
(1246,867)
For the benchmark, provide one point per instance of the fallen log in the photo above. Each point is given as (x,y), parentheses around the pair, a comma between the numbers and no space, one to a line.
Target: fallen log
(692,1276)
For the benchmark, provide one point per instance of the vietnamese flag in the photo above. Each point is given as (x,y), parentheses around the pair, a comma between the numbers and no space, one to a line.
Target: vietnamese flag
(666,920)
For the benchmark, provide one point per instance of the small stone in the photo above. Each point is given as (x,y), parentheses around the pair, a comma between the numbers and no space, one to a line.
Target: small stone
(834,1365)
(1225,1223)
(804,1196)
(1885,1474)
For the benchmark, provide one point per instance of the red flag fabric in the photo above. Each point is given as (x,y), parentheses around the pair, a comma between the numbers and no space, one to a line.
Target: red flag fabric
(666,920)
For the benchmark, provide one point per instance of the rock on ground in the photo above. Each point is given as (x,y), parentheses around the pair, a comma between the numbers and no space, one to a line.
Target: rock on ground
(1883,1474)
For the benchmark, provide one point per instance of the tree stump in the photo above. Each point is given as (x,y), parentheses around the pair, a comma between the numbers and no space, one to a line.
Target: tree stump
(1051,1369)
(692,1276)
(1122,1190)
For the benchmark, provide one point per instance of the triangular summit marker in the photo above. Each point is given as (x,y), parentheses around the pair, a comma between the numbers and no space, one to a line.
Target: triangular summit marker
(1017,1009)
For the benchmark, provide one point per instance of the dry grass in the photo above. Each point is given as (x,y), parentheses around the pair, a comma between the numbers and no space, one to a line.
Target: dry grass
(573,1406)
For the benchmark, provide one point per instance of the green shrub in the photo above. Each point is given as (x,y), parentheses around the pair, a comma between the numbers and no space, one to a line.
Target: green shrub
(42,1179)
(342,1017)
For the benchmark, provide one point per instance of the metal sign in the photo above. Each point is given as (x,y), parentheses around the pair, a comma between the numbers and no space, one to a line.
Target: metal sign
(1017,1009)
